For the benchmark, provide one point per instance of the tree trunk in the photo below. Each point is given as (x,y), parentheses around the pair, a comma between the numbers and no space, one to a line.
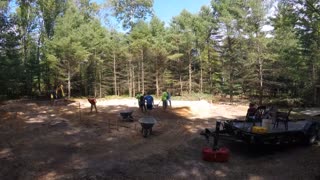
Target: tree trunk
(157,82)
(46,78)
(210,71)
(190,74)
(208,60)
(100,81)
(261,82)
(142,71)
(201,74)
(81,83)
(130,79)
(95,74)
(138,76)
(210,79)
(180,77)
(38,65)
(26,70)
(231,87)
(314,82)
(181,86)
(157,78)
(25,14)
(231,69)
(69,81)
(114,74)
(85,84)
(133,82)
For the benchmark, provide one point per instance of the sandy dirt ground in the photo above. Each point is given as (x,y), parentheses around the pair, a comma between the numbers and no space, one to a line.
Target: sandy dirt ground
(66,141)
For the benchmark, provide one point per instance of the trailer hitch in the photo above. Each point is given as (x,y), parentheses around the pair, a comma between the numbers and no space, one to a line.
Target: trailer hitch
(206,133)
(215,135)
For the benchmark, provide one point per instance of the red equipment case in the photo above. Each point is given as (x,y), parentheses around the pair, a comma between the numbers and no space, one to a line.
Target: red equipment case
(220,155)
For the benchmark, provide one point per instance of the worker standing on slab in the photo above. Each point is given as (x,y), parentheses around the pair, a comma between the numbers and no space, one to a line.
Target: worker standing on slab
(164,99)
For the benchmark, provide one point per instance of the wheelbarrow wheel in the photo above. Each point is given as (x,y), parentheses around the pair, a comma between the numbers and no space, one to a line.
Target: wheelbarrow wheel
(145,132)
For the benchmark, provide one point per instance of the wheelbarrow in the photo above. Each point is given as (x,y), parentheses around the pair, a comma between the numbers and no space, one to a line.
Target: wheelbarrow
(127,115)
(146,125)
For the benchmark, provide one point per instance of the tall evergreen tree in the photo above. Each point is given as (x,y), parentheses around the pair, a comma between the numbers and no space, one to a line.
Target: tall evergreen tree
(183,24)
(10,63)
(159,47)
(65,47)
(230,15)
(258,53)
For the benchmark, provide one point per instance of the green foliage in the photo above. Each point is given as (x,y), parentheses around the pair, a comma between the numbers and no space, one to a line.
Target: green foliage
(140,36)
(297,46)
(221,50)
(286,102)
(50,9)
(129,11)
(10,62)
(176,56)
(4,6)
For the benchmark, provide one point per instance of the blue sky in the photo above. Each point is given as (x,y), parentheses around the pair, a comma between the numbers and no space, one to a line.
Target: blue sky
(166,9)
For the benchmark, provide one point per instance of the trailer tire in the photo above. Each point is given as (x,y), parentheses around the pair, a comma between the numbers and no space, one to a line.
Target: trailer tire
(313,135)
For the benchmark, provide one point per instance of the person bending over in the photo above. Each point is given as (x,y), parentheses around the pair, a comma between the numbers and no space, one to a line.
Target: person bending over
(93,103)
(149,100)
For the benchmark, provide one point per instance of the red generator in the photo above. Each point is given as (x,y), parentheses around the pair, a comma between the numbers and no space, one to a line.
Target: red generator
(220,155)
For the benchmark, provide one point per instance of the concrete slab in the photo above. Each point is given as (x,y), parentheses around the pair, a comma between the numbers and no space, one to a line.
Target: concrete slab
(312,112)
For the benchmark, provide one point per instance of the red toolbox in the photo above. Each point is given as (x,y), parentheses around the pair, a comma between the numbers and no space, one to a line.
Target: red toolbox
(220,155)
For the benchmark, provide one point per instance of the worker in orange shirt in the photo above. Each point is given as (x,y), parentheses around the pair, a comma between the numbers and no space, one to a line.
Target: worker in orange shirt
(93,103)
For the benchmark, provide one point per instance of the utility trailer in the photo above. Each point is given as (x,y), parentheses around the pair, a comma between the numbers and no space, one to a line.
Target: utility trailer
(298,131)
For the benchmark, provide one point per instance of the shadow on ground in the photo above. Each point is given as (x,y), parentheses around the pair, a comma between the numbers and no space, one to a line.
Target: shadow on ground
(39,141)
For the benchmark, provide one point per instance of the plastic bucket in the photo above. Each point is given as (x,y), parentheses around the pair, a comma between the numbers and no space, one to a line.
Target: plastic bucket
(266,123)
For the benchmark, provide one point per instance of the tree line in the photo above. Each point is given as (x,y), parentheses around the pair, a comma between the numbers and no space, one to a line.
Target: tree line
(223,49)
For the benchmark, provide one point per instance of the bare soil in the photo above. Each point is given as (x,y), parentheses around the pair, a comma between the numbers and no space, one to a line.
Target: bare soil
(66,141)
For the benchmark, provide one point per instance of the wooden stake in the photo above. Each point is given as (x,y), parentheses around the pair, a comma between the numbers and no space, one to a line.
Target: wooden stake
(80,111)
(109,128)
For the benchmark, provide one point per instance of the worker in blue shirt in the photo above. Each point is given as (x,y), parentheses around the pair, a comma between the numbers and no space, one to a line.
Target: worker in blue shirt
(149,100)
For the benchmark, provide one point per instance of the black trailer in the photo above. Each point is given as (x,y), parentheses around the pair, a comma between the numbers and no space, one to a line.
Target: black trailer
(298,131)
